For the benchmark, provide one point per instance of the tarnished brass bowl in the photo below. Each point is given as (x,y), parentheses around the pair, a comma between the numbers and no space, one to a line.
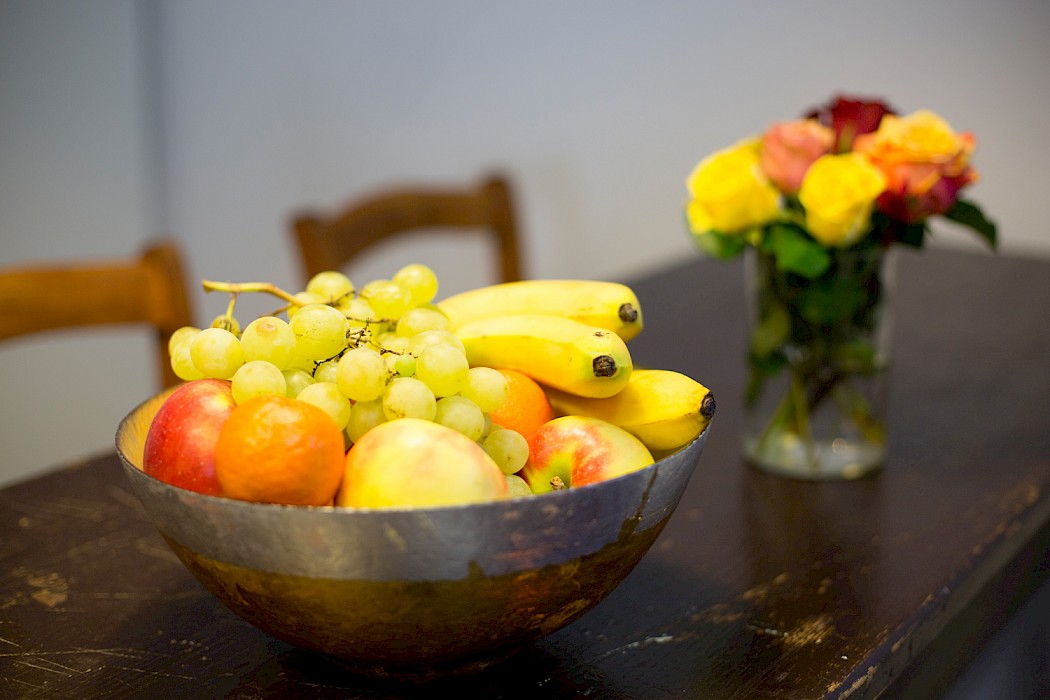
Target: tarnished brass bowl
(417,592)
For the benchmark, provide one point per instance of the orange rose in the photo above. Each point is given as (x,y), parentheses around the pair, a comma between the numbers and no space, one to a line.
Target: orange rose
(925,163)
(789,148)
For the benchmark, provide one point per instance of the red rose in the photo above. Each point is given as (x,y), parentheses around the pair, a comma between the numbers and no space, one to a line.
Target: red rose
(849,117)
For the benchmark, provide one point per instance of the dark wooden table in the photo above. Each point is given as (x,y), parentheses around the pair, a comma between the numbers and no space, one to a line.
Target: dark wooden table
(758,587)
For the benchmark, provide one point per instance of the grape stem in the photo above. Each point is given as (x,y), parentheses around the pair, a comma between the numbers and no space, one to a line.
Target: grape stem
(236,288)
(229,309)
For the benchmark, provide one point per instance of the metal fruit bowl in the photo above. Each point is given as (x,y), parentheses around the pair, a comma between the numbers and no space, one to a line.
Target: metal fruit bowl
(413,592)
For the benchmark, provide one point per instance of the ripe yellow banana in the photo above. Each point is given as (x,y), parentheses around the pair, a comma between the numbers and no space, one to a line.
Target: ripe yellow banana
(560,352)
(662,408)
(608,305)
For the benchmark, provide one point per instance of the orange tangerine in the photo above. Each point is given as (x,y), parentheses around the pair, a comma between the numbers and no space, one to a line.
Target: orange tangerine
(274,449)
(526,407)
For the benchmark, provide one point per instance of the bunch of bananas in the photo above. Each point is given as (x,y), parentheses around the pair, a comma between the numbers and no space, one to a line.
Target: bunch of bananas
(571,336)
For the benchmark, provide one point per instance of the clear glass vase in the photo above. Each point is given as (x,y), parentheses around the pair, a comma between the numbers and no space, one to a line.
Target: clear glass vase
(818,360)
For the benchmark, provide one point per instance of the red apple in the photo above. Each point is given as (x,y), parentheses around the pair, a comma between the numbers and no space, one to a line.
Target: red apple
(414,462)
(578,450)
(180,444)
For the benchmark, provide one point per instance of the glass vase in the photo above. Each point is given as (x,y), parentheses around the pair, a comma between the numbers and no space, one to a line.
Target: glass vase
(818,360)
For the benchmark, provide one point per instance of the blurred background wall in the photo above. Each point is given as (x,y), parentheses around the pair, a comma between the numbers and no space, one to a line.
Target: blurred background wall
(215,121)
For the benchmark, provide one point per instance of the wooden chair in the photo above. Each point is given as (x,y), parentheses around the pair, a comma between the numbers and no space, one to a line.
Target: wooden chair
(328,243)
(149,290)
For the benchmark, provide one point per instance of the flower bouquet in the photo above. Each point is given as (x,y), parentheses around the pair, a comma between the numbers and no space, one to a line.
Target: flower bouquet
(818,203)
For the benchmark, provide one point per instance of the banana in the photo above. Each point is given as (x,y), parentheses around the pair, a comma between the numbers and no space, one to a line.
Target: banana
(560,352)
(608,305)
(662,408)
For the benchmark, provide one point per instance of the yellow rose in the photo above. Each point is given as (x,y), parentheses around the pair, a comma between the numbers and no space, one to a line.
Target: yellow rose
(837,193)
(728,192)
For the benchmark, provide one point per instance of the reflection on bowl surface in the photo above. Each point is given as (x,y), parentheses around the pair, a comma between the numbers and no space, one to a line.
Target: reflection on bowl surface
(413,592)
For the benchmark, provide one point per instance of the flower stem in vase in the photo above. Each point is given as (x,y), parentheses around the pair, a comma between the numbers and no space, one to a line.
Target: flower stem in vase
(816,368)
(802,427)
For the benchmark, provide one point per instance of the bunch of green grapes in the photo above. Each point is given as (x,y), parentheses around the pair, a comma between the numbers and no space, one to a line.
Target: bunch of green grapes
(365,356)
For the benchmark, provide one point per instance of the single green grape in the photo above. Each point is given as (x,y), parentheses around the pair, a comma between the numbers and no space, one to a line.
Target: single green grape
(420,281)
(257,378)
(216,353)
(404,365)
(387,298)
(421,319)
(331,285)
(326,371)
(362,374)
(392,342)
(181,334)
(485,386)
(508,449)
(296,380)
(270,339)
(517,486)
(182,362)
(364,416)
(421,341)
(327,397)
(443,368)
(407,397)
(462,415)
(390,360)
(320,331)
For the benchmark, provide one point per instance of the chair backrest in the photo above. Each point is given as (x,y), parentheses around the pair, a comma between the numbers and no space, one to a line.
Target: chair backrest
(328,243)
(147,290)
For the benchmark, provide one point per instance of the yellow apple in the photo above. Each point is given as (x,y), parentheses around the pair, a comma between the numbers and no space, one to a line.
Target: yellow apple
(414,462)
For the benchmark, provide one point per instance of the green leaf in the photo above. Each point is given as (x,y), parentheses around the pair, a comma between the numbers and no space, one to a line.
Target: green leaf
(796,252)
(912,234)
(886,230)
(720,245)
(968,214)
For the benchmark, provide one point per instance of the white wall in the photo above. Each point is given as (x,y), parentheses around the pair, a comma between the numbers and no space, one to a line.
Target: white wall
(215,121)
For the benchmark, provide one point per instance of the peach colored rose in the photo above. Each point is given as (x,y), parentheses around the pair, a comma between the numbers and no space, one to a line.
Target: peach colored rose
(838,194)
(729,193)
(925,162)
(789,148)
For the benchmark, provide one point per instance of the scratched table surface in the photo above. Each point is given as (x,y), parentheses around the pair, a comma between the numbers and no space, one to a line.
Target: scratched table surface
(758,587)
